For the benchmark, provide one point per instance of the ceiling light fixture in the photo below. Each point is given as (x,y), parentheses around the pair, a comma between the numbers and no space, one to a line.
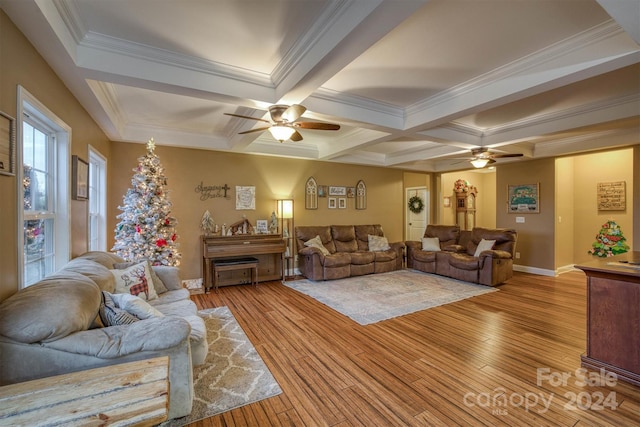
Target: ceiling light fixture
(479,163)
(281,133)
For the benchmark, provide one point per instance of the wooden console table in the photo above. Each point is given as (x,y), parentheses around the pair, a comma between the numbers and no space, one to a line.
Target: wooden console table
(268,249)
(134,393)
(613,315)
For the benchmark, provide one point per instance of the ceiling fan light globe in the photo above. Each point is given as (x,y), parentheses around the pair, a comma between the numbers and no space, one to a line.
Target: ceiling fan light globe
(281,133)
(479,163)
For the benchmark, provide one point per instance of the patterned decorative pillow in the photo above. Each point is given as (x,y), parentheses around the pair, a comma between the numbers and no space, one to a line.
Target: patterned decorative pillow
(316,242)
(378,243)
(158,284)
(431,244)
(111,315)
(484,245)
(135,280)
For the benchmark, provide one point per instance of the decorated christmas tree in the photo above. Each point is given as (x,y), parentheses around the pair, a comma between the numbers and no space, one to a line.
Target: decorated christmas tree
(147,229)
(609,241)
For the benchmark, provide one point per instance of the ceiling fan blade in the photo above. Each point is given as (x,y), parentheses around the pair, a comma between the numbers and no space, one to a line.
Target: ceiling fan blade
(296,136)
(498,156)
(315,125)
(254,130)
(293,113)
(247,117)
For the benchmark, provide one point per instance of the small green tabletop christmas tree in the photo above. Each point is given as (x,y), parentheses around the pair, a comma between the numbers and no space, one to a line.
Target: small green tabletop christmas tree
(609,241)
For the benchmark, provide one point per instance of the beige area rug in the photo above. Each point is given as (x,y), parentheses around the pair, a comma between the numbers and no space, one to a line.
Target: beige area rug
(375,297)
(233,374)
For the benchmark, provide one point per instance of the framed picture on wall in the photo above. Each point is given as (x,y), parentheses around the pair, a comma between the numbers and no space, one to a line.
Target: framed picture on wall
(342,203)
(7,144)
(332,203)
(523,198)
(80,183)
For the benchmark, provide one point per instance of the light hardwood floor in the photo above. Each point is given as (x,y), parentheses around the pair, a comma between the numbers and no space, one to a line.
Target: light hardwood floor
(474,362)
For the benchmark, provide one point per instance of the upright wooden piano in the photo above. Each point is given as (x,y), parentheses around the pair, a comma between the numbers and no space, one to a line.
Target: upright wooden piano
(269,249)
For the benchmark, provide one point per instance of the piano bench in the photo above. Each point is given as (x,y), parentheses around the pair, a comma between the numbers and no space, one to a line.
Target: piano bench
(231,264)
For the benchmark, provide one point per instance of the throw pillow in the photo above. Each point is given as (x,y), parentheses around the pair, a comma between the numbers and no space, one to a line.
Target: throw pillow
(111,315)
(484,245)
(135,280)
(431,244)
(316,242)
(158,284)
(136,306)
(378,243)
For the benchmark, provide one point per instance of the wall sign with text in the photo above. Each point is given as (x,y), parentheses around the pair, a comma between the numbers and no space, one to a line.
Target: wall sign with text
(612,196)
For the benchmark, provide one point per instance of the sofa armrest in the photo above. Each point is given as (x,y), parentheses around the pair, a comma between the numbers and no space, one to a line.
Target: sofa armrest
(309,251)
(154,334)
(495,254)
(397,245)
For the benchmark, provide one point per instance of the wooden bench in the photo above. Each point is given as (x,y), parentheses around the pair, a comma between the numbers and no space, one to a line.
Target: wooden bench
(127,394)
(230,264)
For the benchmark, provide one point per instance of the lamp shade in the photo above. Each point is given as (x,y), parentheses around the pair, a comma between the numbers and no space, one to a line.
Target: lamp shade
(281,133)
(479,163)
(287,209)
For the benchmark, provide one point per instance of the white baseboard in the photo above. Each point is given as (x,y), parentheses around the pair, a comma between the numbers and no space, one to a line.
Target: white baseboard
(544,271)
(534,270)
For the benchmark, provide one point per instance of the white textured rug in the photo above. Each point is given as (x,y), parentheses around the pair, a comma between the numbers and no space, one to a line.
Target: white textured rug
(233,374)
(375,297)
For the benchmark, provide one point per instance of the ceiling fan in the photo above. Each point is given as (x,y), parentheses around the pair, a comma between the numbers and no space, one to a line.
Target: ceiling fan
(284,124)
(483,157)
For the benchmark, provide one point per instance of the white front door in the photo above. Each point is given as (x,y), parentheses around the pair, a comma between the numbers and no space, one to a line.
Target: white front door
(416,223)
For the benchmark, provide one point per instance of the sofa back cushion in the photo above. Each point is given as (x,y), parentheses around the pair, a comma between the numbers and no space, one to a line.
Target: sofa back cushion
(364,231)
(308,232)
(505,239)
(105,258)
(94,271)
(446,234)
(56,306)
(344,237)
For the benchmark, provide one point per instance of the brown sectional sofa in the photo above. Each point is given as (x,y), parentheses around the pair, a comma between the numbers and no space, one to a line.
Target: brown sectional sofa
(348,252)
(456,258)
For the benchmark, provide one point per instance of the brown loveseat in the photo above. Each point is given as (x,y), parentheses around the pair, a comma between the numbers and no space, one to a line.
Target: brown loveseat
(347,251)
(454,254)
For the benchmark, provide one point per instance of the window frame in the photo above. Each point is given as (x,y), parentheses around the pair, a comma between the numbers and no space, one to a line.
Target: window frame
(97,200)
(30,106)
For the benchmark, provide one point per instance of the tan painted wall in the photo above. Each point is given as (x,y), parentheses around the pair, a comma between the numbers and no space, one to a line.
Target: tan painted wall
(272,177)
(485,182)
(565,212)
(536,235)
(20,64)
(591,169)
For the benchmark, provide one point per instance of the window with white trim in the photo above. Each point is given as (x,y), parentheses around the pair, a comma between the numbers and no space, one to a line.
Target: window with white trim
(43,189)
(97,201)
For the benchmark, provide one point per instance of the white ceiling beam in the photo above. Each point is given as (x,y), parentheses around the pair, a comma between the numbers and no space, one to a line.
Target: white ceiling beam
(573,60)
(359,25)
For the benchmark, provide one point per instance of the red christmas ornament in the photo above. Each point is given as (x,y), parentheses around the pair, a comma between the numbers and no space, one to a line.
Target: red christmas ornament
(161,242)
(173,237)
(166,221)
(137,228)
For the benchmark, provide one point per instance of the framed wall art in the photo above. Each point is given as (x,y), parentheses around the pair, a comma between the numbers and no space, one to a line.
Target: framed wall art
(523,198)
(80,179)
(612,196)
(342,203)
(332,203)
(337,191)
(7,144)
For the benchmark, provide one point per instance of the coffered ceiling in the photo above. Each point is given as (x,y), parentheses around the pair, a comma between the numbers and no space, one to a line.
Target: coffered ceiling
(413,84)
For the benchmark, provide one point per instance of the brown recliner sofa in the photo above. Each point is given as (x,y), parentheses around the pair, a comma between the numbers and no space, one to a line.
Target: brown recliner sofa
(456,257)
(347,252)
